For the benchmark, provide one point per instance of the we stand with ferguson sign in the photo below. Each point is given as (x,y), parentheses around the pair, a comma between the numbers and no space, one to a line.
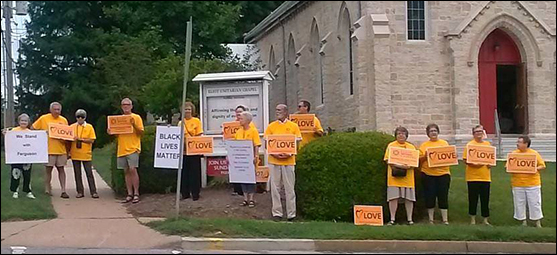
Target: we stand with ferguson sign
(26,147)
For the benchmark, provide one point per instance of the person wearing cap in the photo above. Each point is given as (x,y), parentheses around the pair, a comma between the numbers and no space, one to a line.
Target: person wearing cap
(82,153)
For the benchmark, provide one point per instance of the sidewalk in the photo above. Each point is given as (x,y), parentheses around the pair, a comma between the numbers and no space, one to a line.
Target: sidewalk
(85,222)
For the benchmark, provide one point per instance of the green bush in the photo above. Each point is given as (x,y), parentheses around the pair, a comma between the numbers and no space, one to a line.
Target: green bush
(336,172)
(151,180)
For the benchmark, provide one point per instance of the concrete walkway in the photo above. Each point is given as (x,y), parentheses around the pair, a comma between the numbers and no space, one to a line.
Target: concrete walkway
(85,222)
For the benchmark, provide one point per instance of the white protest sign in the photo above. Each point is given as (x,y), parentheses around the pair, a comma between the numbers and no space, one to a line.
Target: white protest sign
(26,147)
(167,147)
(241,168)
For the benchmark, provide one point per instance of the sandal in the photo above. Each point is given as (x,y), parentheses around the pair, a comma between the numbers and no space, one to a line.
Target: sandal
(245,203)
(251,204)
(135,199)
(128,199)
(95,195)
(64,195)
(79,195)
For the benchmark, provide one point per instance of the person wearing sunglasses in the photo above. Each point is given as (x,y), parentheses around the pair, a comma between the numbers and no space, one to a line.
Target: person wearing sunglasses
(303,108)
(82,153)
(478,177)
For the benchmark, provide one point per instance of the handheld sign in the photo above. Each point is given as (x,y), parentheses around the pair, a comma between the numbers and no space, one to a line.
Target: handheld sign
(277,144)
(167,147)
(306,122)
(262,173)
(442,156)
(481,155)
(26,147)
(240,161)
(368,215)
(199,145)
(61,131)
(522,163)
(402,156)
(229,129)
(120,124)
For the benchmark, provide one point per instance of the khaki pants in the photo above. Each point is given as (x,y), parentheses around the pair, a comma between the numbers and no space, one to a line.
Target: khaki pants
(283,175)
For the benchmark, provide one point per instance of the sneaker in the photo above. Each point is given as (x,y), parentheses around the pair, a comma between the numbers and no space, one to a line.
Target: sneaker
(291,219)
(391,223)
(410,223)
(15,195)
(30,195)
(64,195)
(277,218)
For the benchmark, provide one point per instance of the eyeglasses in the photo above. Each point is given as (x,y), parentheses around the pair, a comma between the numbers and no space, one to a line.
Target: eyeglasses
(80,117)
(300,106)
(126,104)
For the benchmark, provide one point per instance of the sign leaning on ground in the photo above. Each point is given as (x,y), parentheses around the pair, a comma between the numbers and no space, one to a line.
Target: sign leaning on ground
(167,147)
(306,122)
(368,215)
(241,167)
(26,147)
(442,156)
(481,155)
(402,156)
(61,131)
(262,173)
(522,163)
(120,124)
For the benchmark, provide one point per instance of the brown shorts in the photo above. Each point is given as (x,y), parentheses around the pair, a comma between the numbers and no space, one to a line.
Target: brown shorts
(57,160)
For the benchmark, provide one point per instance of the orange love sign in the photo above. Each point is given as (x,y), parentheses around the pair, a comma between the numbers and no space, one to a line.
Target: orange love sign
(306,122)
(262,173)
(442,156)
(481,155)
(229,129)
(61,131)
(402,156)
(120,124)
(522,163)
(277,144)
(368,215)
(199,145)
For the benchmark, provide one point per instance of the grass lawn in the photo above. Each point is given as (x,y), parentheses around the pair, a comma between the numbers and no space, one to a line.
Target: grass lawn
(24,208)
(102,161)
(504,228)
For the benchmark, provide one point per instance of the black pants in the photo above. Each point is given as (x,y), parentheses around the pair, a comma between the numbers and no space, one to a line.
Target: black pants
(191,177)
(88,166)
(238,189)
(436,188)
(478,190)
(19,170)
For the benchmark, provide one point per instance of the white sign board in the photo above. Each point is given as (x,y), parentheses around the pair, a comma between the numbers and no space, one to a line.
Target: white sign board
(167,147)
(241,168)
(26,147)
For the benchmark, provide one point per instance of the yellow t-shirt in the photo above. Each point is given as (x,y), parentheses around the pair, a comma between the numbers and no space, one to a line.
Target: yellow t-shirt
(86,151)
(528,180)
(251,134)
(19,129)
(131,143)
(310,136)
(475,173)
(433,171)
(193,127)
(404,182)
(55,146)
(280,128)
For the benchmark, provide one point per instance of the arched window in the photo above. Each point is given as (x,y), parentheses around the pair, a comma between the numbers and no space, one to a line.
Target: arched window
(318,61)
(345,34)
(272,61)
(292,88)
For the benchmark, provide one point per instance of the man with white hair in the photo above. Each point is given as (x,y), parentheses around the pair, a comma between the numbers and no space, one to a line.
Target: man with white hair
(57,151)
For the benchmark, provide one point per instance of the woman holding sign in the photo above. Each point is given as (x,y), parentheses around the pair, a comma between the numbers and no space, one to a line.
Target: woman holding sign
(239,110)
(436,180)
(191,178)
(247,132)
(400,179)
(82,153)
(19,170)
(526,187)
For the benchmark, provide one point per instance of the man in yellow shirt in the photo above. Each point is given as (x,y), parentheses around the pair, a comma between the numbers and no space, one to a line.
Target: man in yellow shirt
(282,165)
(82,153)
(57,151)
(129,147)
(527,187)
(248,132)
(478,178)
(303,108)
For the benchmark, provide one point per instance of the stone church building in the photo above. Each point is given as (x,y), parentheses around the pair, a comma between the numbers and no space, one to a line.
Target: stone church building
(376,65)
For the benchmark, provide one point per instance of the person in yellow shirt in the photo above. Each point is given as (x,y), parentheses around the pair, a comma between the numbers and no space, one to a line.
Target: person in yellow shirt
(19,170)
(191,178)
(478,178)
(239,110)
(282,165)
(129,148)
(436,180)
(247,132)
(526,188)
(82,153)
(400,187)
(303,108)
(57,151)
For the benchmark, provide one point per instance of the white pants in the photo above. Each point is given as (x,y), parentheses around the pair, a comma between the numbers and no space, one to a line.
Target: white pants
(527,196)
(283,175)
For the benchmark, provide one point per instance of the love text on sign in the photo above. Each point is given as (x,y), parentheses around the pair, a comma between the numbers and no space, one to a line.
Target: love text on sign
(522,163)
(368,215)
(481,155)
(306,122)
(442,156)
(229,129)
(61,131)
(199,145)
(277,144)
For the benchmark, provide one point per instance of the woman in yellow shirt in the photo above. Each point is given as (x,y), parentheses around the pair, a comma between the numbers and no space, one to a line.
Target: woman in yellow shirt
(239,110)
(527,188)
(82,153)
(247,132)
(436,180)
(19,170)
(400,187)
(478,178)
(191,178)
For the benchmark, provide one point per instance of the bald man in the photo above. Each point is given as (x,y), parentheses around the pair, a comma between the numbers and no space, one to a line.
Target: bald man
(282,165)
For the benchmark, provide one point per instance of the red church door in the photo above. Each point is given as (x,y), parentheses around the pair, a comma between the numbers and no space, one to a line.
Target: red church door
(502,85)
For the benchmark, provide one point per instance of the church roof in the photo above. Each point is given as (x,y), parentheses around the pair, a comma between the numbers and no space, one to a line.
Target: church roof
(283,11)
